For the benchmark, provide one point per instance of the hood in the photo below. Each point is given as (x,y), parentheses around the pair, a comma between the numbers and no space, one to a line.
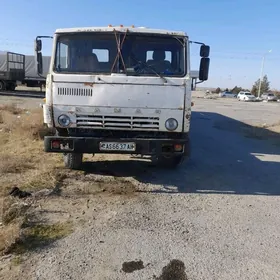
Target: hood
(130,92)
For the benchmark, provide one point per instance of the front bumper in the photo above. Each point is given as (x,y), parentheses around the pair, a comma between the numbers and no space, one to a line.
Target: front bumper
(90,145)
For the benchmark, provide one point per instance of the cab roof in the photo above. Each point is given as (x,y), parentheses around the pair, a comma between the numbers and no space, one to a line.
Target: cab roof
(121,29)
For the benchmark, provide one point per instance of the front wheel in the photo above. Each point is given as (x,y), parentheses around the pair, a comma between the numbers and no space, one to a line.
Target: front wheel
(170,162)
(73,160)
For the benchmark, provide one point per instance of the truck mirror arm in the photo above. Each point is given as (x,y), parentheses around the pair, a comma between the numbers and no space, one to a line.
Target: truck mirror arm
(198,43)
(48,37)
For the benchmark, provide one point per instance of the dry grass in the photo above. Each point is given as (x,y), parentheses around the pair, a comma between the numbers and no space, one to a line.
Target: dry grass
(274,127)
(13,164)
(271,132)
(23,124)
(41,179)
(11,108)
(9,235)
(24,164)
(19,234)
(17,260)
(38,236)
(20,137)
(261,132)
(13,210)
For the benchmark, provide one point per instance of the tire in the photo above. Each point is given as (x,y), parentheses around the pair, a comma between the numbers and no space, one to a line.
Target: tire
(173,161)
(170,162)
(73,160)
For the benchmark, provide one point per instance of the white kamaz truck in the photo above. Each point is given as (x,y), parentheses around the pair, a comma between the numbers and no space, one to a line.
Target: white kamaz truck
(122,90)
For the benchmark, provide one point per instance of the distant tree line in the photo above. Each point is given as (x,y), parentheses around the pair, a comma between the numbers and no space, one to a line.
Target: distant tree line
(236,89)
(265,87)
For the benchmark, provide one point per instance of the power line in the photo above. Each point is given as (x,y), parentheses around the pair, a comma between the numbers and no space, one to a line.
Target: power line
(239,57)
(7,41)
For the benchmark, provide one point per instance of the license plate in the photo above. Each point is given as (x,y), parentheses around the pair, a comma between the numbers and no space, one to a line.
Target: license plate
(114,146)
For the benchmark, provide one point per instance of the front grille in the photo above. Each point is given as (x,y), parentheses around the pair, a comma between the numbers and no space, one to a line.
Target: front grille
(118,122)
(74,91)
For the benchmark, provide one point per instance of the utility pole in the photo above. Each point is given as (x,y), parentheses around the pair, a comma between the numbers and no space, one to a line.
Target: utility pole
(261,76)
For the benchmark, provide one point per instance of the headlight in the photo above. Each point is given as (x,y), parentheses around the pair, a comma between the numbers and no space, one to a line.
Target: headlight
(171,124)
(64,120)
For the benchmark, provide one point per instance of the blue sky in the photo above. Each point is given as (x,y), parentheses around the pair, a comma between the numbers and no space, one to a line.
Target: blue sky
(238,31)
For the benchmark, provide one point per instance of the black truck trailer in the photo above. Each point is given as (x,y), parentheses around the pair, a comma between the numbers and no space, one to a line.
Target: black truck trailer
(12,70)
(32,79)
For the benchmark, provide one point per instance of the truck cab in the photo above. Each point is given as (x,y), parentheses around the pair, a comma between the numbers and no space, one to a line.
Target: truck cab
(122,90)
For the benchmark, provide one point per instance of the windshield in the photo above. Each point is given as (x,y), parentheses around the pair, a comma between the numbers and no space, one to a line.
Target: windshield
(98,53)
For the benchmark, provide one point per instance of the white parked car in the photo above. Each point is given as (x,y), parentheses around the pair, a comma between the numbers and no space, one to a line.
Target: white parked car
(269,97)
(246,96)
(228,94)
(241,93)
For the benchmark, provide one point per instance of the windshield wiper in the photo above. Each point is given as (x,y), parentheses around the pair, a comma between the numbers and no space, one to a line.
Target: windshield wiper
(145,65)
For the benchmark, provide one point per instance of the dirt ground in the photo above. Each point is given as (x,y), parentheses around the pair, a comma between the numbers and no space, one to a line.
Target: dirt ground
(216,217)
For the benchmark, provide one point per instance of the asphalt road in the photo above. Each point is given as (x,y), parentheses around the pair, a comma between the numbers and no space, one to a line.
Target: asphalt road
(216,217)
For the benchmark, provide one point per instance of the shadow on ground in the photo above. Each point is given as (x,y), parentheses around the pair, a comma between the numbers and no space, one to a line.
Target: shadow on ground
(228,156)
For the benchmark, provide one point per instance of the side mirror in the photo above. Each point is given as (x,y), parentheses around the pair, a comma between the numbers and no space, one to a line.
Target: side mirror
(38,45)
(40,63)
(204,51)
(204,68)
(39,56)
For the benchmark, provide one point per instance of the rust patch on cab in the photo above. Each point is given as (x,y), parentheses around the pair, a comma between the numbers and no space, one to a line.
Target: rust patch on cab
(89,84)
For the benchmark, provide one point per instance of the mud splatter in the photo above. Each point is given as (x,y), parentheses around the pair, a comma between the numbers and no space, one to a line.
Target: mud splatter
(175,270)
(130,267)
